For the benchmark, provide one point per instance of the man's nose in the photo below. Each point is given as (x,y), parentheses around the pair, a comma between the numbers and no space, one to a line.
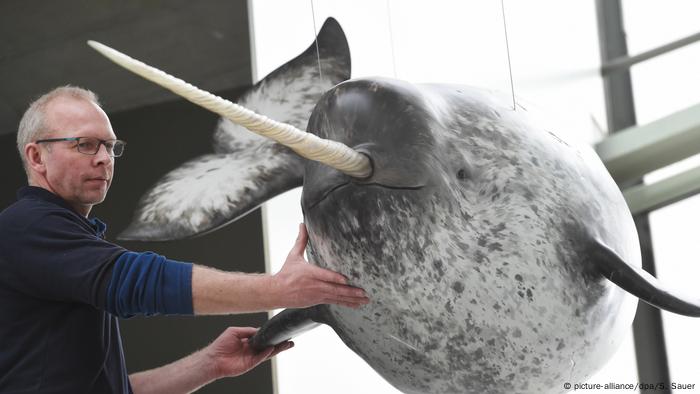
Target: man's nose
(102,155)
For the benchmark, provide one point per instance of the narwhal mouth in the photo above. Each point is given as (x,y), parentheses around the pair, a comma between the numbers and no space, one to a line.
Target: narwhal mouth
(363,184)
(389,172)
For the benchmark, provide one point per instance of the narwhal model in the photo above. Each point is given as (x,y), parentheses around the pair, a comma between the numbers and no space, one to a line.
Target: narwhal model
(498,256)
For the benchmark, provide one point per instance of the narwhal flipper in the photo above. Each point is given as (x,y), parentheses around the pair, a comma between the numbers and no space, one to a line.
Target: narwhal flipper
(212,191)
(640,283)
(284,326)
(245,169)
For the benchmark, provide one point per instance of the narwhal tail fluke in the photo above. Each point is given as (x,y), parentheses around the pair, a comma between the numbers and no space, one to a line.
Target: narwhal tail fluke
(285,326)
(642,284)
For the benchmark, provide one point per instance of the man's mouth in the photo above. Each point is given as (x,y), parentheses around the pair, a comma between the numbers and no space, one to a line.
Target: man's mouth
(98,179)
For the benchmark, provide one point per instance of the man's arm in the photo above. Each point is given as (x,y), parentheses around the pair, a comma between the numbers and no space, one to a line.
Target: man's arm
(148,283)
(298,284)
(228,355)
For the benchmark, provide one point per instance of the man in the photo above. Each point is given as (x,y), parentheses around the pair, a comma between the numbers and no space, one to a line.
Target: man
(62,285)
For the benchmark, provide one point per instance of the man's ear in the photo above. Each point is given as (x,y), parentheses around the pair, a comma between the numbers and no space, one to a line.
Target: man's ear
(34,157)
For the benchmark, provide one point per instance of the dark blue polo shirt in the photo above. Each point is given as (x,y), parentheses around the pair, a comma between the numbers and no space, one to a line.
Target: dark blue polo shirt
(62,287)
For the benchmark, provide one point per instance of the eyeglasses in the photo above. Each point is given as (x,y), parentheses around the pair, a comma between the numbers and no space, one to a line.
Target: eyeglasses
(91,145)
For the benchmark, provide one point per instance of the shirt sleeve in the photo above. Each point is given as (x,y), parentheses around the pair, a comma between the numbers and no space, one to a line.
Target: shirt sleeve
(148,283)
(57,258)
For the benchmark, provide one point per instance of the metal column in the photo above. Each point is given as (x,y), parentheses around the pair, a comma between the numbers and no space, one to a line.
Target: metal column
(652,360)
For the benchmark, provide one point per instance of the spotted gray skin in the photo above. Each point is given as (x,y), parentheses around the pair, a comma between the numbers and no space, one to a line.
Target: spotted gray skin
(471,238)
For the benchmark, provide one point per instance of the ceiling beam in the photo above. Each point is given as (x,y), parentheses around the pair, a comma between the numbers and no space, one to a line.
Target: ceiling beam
(636,151)
(648,197)
(625,62)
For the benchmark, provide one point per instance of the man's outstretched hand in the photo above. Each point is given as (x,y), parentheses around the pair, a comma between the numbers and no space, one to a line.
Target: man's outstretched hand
(232,355)
(229,355)
(300,284)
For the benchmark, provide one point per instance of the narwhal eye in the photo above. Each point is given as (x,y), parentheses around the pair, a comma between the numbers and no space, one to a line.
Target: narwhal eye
(462,174)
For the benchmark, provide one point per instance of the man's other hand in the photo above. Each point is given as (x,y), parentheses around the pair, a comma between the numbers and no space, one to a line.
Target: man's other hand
(231,355)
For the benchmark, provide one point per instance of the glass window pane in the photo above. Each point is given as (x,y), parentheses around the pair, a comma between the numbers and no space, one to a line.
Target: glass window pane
(662,86)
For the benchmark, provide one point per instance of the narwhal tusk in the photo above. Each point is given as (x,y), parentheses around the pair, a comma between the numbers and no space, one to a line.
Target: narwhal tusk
(332,153)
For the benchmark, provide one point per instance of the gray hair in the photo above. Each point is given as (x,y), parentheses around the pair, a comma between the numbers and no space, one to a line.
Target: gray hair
(33,124)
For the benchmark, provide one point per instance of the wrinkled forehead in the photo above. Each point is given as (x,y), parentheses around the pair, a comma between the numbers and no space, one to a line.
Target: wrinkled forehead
(72,117)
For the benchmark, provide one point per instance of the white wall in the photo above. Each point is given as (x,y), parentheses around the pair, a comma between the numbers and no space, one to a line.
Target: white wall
(554,53)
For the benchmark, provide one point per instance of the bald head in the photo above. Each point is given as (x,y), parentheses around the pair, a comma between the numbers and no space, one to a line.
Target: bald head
(36,121)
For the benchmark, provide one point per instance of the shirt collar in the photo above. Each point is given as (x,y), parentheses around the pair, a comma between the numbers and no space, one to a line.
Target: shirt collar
(42,194)
(99,226)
